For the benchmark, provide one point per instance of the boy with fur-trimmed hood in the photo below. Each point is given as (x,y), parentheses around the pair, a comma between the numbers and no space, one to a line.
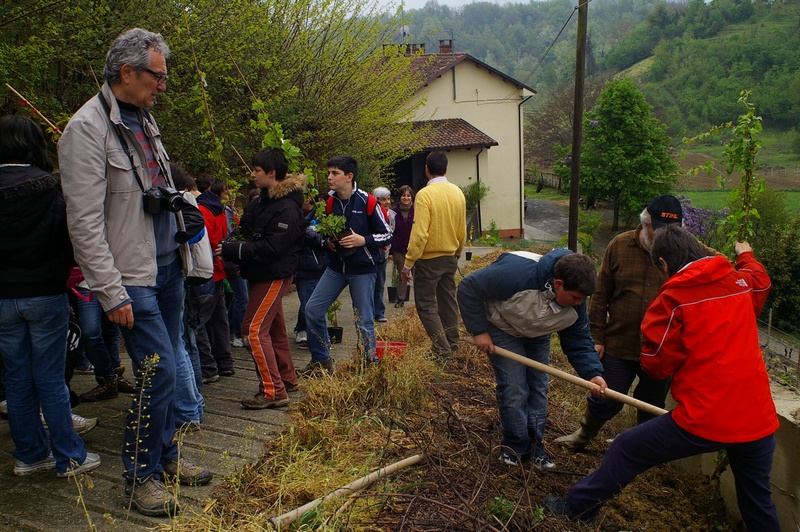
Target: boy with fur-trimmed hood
(273,226)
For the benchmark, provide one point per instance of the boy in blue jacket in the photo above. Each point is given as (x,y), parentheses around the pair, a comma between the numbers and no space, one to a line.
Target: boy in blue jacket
(516,303)
(354,265)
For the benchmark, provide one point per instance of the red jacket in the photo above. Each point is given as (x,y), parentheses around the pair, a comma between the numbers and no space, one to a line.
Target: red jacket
(701,330)
(216,226)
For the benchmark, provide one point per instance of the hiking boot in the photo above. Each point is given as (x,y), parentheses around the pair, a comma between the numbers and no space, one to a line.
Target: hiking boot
(259,402)
(187,427)
(92,461)
(314,368)
(21,468)
(123,384)
(106,389)
(187,473)
(151,498)
(227,372)
(291,387)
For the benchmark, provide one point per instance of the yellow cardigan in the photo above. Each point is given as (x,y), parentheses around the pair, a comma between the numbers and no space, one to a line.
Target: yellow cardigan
(440,225)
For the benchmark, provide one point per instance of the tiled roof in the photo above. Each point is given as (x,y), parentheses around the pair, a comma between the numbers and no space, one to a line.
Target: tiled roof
(432,66)
(451,133)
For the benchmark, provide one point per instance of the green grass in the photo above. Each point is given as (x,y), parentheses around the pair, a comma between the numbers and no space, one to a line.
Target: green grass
(716,200)
(776,147)
(547,193)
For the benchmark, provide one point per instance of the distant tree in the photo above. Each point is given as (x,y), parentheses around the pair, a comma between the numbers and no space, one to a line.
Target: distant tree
(549,122)
(779,255)
(625,157)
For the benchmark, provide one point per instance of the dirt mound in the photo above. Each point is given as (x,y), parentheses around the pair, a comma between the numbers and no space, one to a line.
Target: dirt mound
(777,177)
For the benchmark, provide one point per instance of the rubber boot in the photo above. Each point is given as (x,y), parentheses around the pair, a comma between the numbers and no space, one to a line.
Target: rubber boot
(578,440)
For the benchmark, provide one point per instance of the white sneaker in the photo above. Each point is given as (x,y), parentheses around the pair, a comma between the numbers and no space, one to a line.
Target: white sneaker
(236,341)
(301,338)
(543,462)
(21,468)
(92,462)
(82,425)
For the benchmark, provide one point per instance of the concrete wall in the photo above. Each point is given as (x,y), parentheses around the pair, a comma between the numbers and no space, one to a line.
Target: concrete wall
(491,104)
(785,478)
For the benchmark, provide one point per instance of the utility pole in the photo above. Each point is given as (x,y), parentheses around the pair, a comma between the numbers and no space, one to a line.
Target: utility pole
(577,125)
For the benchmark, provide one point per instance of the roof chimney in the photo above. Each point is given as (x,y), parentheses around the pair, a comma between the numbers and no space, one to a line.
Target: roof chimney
(415,48)
(446,46)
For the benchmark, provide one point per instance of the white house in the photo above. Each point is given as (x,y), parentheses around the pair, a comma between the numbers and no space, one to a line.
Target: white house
(473,112)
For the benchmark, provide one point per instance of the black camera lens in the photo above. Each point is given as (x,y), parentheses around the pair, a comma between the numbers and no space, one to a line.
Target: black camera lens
(174,203)
(181,237)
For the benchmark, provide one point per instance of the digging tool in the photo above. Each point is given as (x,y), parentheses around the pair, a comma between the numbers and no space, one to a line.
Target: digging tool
(544,368)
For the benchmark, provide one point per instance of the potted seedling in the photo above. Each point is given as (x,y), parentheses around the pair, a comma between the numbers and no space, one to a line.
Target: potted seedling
(333,227)
(334,331)
(468,254)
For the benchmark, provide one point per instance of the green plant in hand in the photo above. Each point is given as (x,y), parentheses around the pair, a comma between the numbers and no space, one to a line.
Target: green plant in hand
(329,225)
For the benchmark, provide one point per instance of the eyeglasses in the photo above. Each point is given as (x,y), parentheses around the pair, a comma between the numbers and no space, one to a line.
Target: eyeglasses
(157,76)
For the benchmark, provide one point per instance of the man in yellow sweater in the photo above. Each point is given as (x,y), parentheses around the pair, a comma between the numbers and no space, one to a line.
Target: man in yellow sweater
(437,239)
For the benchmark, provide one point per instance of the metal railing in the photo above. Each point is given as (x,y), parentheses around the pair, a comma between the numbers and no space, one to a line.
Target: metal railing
(781,352)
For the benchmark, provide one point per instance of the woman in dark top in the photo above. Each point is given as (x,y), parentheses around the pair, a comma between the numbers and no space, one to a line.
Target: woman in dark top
(34,312)
(402,232)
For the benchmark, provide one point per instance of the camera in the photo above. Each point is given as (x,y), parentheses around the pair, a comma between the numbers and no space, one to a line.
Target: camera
(157,200)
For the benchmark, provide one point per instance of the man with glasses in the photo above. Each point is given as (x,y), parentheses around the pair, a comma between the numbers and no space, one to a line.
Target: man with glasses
(117,183)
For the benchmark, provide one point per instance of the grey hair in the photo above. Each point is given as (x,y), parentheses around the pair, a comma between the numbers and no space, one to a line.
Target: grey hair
(132,48)
(381,192)
(645,217)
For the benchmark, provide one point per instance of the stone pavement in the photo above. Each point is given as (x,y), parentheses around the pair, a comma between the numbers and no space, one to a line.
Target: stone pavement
(230,437)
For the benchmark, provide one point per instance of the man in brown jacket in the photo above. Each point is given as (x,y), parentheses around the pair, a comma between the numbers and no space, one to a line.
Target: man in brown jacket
(626,284)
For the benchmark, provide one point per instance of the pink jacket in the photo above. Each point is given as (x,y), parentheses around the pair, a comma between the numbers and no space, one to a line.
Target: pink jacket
(701,330)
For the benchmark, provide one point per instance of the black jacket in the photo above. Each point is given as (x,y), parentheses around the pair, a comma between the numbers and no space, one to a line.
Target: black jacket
(34,242)
(273,227)
(313,256)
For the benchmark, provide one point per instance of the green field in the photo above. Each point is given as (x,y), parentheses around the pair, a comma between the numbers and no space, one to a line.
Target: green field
(716,200)
(713,199)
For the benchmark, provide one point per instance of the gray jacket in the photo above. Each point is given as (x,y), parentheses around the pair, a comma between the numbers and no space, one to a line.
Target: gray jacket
(112,236)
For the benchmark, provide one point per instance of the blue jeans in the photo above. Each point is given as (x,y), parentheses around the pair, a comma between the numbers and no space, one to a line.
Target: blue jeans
(148,440)
(661,440)
(305,287)
(239,300)
(190,343)
(99,335)
(33,332)
(380,281)
(331,284)
(521,393)
(189,402)
(619,374)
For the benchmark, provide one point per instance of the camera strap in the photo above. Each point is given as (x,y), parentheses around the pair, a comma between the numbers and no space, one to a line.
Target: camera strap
(121,139)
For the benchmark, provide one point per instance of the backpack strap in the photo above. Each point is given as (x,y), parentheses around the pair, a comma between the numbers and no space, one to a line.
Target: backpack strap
(372,201)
